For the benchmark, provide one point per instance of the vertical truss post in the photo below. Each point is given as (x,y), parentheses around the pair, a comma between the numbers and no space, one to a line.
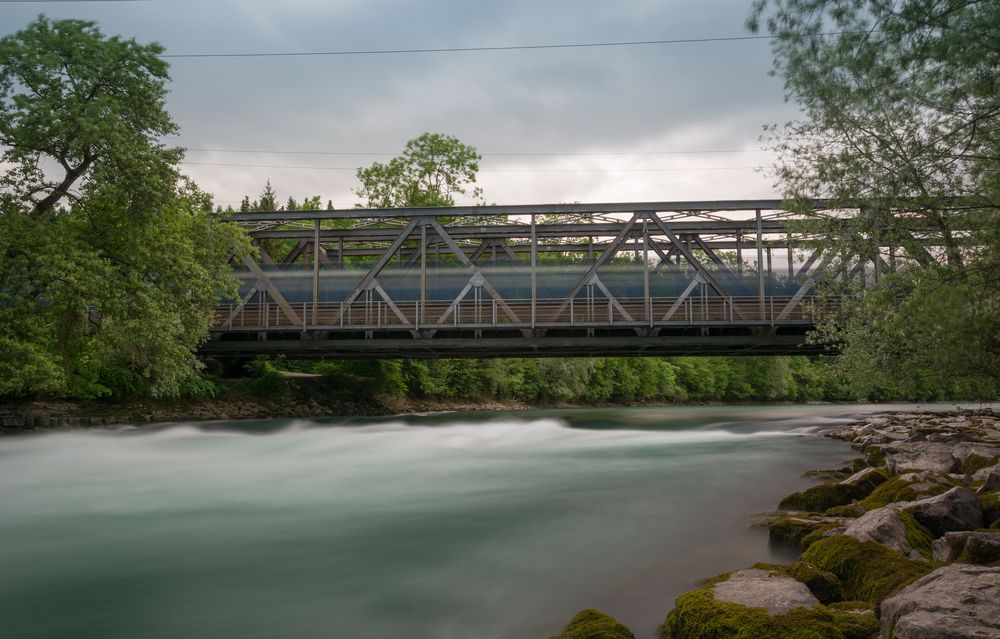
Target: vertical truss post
(791,267)
(760,263)
(423,274)
(739,252)
(315,265)
(534,269)
(648,302)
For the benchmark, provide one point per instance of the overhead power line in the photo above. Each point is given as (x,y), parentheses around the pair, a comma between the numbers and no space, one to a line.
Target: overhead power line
(354,168)
(528,154)
(518,47)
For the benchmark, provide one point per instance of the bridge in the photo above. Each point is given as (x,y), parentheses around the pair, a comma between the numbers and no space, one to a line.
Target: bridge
(639,278)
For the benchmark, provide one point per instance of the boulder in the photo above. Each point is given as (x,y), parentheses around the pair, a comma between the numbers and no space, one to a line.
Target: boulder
(972,547)
(790,530)
(958,601)
(990,478)
(891,527)
(916,456)
(964,450)
(865,481)
(956,509)
(755,588)
(594,624)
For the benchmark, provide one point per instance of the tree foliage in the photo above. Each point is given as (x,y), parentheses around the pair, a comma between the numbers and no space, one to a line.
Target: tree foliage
(901,112)
(111,262)
(431,171)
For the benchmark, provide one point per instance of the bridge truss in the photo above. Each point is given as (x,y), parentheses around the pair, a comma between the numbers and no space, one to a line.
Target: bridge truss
(646,278)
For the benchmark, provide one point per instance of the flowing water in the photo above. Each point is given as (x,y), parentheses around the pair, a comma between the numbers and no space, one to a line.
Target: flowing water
(497,525)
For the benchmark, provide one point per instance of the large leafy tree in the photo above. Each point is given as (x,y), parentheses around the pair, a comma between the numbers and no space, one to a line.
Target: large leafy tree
(110,262)
(902,112)
(431,171)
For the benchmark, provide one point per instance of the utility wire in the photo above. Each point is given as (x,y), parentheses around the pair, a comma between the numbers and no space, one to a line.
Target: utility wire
(354,168)
(520,47)
(568,154)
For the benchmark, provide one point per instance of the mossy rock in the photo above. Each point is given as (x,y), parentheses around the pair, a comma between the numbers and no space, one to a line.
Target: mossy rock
(850,510)
(991,506)
(900,489)
(822,497)
(818,498)
(594,624)
(789,531)
(825,586)
(698,615)
(976,462)
(867,571)
(875,456)
(859,463)
(919,538)
(814,536)
(855,619)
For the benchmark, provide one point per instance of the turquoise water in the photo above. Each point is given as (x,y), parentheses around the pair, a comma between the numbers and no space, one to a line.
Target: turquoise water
(489,525)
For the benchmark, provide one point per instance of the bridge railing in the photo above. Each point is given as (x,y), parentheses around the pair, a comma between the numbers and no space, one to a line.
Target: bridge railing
(374,314)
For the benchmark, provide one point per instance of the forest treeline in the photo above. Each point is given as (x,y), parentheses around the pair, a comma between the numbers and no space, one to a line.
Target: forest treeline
(602,380)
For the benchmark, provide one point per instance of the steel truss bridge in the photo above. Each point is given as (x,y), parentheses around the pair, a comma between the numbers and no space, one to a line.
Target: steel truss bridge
(640,278)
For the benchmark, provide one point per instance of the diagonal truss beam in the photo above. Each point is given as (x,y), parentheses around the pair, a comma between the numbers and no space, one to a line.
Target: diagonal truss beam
(460,254)
(712,255)
(698,266)
(271,289)
(603,259)
(697,281)
(596,281)
(387,256)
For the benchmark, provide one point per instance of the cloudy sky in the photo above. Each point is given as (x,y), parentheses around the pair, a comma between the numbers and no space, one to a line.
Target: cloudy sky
(656,122)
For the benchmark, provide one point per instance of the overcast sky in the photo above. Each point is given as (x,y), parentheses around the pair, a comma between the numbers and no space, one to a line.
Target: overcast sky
(596,105)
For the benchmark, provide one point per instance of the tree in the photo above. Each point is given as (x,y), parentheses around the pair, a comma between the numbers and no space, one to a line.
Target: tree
(902,112)
(432,170)
(92,106)
(269,199)
(111,265)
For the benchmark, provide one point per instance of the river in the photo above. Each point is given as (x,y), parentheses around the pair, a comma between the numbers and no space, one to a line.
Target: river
(498,525)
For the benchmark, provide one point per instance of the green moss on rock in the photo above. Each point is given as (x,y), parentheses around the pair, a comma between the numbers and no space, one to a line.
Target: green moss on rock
(825,586)
(850,510)
(976,462)
(875,456)
(818,498)
(822,497)
(917,535)
(594,624)
(813,537)
(698,615)
(899,489)
(867,571)
(990,502)
(790,531)
(855,619)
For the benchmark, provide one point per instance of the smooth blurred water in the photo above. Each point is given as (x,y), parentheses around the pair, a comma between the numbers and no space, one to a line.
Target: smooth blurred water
(488,525)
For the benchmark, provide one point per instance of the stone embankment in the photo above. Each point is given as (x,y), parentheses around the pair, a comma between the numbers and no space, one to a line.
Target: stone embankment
(902,543)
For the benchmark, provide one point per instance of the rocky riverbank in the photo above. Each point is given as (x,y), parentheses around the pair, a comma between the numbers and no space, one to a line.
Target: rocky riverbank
(902,543)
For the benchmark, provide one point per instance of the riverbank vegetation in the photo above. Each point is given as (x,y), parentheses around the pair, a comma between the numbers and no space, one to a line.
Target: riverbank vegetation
(110,261)
(606,380)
